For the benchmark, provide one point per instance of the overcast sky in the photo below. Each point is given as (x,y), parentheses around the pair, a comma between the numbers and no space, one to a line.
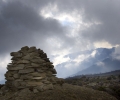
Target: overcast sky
(59,27)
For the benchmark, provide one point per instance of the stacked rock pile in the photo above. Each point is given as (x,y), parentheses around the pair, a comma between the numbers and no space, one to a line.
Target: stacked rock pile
(30,68)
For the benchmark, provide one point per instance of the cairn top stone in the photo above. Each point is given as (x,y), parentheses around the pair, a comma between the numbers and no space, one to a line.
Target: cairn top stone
(30,68)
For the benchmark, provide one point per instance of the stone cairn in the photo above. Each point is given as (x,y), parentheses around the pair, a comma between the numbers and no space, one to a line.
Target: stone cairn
(30,68)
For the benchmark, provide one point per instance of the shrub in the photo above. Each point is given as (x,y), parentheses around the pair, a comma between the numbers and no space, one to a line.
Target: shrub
(101,88)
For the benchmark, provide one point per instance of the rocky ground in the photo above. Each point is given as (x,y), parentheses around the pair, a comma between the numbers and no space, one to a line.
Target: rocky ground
(64,92)
(109,84)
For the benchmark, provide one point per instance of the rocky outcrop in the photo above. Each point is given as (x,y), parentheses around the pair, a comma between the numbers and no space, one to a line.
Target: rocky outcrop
(30,68)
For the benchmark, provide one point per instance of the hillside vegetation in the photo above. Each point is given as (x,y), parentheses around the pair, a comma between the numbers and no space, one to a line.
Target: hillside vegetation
(106,82)
(65,92)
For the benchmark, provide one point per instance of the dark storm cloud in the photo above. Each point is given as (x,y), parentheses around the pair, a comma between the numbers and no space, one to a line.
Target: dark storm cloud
(20,25)
(104,11)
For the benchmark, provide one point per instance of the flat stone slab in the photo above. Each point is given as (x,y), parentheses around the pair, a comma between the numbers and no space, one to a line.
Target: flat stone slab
(37,78)
(23,61)
(36,74)
(24,71)
(32,83)
(18,67)
(26,77)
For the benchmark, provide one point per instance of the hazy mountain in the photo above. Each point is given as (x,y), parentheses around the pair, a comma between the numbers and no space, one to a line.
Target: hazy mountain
(100,54)
(102,61)
(108,64)
(87,59)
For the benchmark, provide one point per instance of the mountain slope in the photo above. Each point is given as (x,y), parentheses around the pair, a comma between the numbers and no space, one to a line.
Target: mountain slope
(106,65)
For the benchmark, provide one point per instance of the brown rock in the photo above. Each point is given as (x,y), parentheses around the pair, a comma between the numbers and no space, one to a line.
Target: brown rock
(8,74)
(22,83)
(13,72)
(16,83)
(10,78)
(53,71)
(30,68)
(24,71)
(40,70)
(35,74)
(34,83)
(35,91)
(26,77)
(35,65)
(46,82)
(14,58)
(32,49)
(34,54)
(27,57)
(16,68)
(37,78)
(49,73)
(48,87)
(23,61)
(16,75)
(25,48)
(40,88)
(16,54)
(37,61)
(19,80)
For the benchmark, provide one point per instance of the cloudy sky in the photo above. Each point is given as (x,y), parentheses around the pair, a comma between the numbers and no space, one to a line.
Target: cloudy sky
(60,28)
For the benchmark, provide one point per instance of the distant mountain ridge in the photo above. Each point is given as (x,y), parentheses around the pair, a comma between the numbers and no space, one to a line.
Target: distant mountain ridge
(82,60)
(101,62)
(115,72)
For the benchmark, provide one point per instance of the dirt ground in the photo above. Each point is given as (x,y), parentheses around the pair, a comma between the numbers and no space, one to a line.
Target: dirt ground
(65,92)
